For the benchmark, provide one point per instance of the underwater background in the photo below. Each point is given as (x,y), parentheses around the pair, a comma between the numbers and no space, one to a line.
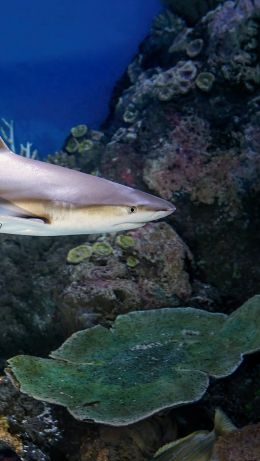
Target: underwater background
(154,332)
(60,63)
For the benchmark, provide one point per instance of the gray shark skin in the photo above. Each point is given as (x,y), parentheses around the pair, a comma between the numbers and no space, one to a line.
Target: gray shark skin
(41,199)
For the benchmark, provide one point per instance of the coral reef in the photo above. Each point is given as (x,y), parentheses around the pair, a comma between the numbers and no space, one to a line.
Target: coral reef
(144,268)
(184,124)
(198,144)
(233,33)
(82,149)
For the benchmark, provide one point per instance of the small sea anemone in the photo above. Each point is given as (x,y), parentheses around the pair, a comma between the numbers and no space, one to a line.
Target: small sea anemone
(194,48)
(132,262)
(72,146)
(186,71)
(165,93)
(166,22)
(125,241)
(102,248)
(131,114)
(79,131)
(185,74)
(85,146)
(174,81)
(96,135)
(205,80)
(78,254)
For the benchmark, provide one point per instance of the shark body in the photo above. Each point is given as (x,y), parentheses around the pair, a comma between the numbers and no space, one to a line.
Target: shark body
(42,199)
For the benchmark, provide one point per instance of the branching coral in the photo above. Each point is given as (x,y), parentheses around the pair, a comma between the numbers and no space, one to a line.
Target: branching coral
(7,132)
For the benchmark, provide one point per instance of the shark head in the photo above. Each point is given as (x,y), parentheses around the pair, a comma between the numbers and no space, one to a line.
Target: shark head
(107,206)
(136,209)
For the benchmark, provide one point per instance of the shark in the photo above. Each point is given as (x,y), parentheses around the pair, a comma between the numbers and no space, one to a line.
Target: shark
(42,199)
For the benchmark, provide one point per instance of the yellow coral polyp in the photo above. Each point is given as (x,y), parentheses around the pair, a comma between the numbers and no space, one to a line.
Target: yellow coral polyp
(102,248)
(12,440)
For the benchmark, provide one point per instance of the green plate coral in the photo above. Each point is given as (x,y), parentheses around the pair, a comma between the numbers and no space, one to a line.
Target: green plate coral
(148,360)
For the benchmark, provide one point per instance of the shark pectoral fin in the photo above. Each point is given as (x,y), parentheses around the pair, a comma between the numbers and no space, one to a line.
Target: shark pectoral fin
(22,226)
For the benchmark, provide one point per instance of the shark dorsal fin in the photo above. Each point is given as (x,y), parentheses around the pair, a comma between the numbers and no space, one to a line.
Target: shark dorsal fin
(4,149)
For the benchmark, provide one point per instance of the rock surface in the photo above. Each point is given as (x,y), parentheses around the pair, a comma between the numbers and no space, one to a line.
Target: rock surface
(31,429)
(151,273)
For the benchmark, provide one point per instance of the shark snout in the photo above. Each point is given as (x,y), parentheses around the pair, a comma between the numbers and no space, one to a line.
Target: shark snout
(168,208)
(158,214)
(155,207)
(159,205)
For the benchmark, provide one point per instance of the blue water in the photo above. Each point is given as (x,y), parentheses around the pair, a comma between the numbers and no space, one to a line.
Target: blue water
(59,62)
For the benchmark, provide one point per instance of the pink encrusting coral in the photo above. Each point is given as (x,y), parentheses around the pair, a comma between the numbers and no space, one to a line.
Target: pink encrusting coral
(190,164)
(240,445)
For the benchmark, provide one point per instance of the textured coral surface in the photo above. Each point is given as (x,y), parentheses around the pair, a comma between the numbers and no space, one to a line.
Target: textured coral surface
(242,445)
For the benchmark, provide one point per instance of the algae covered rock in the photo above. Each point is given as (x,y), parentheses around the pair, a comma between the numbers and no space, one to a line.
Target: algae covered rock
(240,445)
(145,268)
(98,442)
(27,427)
(148,360)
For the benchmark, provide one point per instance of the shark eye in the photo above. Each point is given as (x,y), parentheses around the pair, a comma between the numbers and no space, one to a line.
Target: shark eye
(132,209)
